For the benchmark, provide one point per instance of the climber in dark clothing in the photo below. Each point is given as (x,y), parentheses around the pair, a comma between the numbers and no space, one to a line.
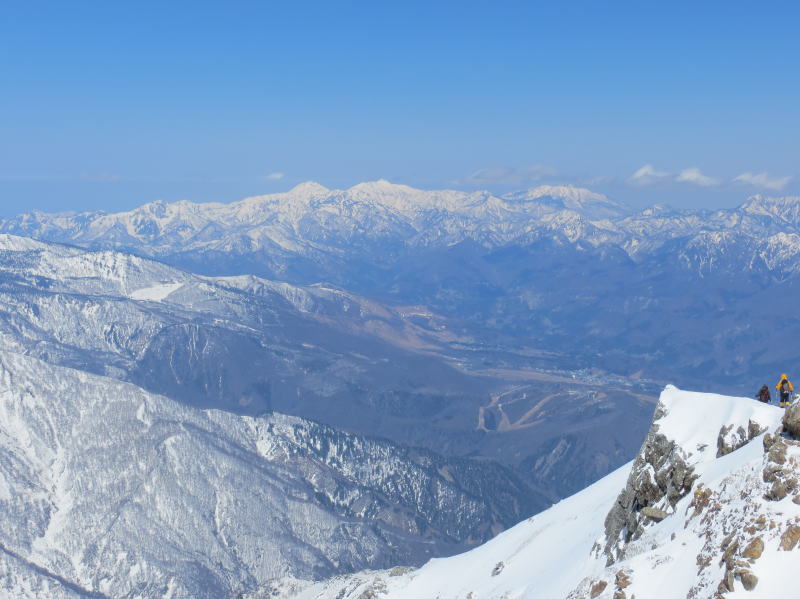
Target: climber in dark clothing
(785,387)
(763,394)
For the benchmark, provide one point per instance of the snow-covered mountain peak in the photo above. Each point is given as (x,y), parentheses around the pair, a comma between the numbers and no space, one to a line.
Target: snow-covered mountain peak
(786,208)
(382,186)
(658,210)
(567,192)
(309,188)
(15,243)
(588,203)
(299,195)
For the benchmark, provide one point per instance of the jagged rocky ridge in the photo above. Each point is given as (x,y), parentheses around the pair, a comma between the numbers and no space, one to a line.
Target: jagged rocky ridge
(109,491)
(710,508)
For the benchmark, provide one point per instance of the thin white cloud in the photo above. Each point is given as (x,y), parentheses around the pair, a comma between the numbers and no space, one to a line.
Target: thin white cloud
(763,180)
(695,177)
(506,175)
(647,175)
(275,176)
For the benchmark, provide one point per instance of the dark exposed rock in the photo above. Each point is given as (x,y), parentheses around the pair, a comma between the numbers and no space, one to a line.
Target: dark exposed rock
(777,492)
(701,499)
(660,475)
(791,420)
(703,561)
(727,541)
(622,580)
(597,588)
(729,555)
(790,537)
(374,590)
(777,452)
(654,513)
(730,440)
(400,570)
(749,580)
(754,429)
(771,471)
(754,549)
(729,581)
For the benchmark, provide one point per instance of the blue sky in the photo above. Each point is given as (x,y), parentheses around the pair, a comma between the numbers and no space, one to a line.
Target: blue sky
(113,104)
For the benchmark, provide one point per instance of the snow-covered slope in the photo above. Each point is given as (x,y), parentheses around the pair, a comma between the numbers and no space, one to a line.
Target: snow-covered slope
(710,505)
(109,491)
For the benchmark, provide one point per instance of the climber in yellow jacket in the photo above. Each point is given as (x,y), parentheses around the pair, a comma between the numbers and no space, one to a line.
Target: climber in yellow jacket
(785,387)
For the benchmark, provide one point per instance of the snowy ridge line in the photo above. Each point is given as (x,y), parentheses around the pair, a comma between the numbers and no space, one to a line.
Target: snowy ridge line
(702,511)
(310,219)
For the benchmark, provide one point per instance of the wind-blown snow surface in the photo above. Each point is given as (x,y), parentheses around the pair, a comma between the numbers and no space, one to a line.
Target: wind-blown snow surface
(109,491)
(559,553)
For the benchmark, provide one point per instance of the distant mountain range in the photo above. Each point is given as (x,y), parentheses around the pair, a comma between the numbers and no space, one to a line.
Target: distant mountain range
(564,273)
(311,220)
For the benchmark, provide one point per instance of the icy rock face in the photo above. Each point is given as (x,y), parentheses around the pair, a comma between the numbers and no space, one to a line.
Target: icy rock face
(109,491)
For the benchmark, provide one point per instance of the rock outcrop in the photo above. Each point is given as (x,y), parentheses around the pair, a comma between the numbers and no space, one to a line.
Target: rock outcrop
(660,477)
(791,420)
(731,439)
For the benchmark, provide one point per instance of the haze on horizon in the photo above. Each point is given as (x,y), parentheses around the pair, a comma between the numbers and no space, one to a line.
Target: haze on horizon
(112,105)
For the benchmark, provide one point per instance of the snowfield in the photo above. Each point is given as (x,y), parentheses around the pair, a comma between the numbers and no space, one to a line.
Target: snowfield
(156,293)
(708,539)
